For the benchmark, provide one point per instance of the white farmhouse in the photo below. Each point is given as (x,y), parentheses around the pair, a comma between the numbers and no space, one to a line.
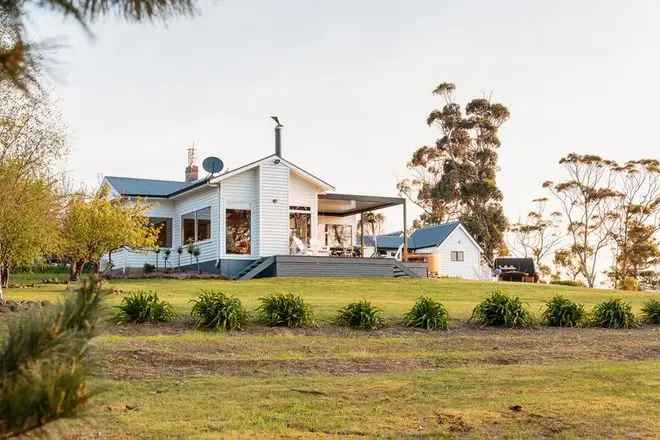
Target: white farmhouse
(269,217)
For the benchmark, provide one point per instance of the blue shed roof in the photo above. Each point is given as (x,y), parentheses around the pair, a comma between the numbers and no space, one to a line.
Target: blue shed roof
(130,186)
(386,241)
(429,236)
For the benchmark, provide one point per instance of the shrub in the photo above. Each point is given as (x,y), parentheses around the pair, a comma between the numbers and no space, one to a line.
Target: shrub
(500,310)
(427,314)
(285,310)
(144,306)
(44,362)
(613,313)
(149,268)
(562,312)
(568,283)
(630,283)
(361,315)
(216,311)
(651,311)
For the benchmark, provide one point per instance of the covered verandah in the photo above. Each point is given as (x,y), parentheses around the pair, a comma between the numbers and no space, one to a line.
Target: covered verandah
(335,205)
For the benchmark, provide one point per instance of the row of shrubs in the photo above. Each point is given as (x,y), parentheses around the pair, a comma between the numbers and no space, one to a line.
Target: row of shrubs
(217,311)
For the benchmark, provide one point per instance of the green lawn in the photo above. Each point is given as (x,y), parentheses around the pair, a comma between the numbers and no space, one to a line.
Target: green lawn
(326,295)
(167,381)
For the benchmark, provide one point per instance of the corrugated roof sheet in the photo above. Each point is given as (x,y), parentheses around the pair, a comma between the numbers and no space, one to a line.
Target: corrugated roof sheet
(429,236)
(130,186)
(525,265)
(386,241)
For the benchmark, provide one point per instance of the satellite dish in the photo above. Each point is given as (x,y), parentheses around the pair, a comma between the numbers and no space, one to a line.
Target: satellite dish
(213,165)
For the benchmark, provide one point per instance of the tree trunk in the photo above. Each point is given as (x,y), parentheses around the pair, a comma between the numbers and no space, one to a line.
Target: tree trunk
(2,293)
(76,269)
(4,277)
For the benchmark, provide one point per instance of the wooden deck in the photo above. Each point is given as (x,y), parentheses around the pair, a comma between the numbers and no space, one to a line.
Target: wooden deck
(311,266)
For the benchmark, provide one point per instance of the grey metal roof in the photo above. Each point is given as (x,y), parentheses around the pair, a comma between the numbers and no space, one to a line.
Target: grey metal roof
(525,265)
(431,236)
(130,186)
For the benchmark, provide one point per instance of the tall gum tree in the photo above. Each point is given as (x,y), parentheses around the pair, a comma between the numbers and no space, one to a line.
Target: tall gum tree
(456,177)
(587,199)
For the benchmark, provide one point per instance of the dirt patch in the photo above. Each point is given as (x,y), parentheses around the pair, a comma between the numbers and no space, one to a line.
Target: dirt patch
(453,422)
(342,352)
(140,364)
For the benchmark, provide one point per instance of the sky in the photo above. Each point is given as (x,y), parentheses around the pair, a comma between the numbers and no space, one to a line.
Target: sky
(352,81)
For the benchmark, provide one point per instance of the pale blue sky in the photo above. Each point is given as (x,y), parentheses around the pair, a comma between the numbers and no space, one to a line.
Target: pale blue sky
(352,82)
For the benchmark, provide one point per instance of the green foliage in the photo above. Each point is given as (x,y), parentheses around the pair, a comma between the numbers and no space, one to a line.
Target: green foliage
(360,315)
(500,310)
(570,283)
(651,311)
(144,306)
(216,311)
(613,313)
(148,268)
(562,312)
(428,314)
(44,362)
(285,310)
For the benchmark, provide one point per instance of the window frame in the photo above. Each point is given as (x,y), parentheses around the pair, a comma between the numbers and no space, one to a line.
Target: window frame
(196,226)
(155,221)
(251,228)
(454,256)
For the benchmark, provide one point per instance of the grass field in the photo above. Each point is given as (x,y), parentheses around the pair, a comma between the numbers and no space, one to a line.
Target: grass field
(167,381)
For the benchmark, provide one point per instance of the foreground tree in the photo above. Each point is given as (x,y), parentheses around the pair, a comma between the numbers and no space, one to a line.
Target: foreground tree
(32,140)
(45,364)
(456,178)
(22,59)
(97,225)
(587,200)
(538,236)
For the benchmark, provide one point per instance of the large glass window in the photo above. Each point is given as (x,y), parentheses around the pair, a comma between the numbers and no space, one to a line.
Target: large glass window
(196,226)
(164,225)
(239,234)
(339,235)
(300,226)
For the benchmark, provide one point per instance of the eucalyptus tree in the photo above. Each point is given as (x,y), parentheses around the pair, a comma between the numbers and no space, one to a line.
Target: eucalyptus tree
(456,177)
(538,235)
(637,222)
(587,199)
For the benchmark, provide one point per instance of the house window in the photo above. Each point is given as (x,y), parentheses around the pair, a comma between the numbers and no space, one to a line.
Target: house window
(196,226)
(239,235)
(164,225)
(457,256)
(300,227)
(339,235)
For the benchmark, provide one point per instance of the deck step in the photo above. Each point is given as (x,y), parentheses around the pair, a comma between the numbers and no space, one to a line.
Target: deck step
(255,268)
(399,270)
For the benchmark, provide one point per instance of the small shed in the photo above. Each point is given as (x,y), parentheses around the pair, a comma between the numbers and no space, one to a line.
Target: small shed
(522,270)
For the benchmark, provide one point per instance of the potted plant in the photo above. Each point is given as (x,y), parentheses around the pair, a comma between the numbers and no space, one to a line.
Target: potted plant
(179,251)
(167,257)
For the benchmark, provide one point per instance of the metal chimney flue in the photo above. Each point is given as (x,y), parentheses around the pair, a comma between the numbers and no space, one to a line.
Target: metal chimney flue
(278,136)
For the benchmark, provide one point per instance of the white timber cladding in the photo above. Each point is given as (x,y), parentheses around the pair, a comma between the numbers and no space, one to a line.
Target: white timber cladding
(205,197)
(240,192)
(459,240)
(136,257)
(274,208)
(304,193)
